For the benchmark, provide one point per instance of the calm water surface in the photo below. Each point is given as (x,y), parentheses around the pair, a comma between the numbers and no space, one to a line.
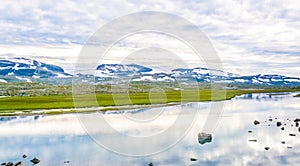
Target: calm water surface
(58,138)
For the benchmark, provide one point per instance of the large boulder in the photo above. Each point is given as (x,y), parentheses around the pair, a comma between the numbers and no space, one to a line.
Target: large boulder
(204,138)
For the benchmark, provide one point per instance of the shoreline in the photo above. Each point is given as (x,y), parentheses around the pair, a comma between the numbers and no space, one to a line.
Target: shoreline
(84,110)
(58,111)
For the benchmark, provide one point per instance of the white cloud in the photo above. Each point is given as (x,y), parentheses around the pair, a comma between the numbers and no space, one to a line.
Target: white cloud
(250,36)
(63,55)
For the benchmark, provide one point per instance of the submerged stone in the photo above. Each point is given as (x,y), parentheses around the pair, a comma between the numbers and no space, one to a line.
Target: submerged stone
(204,138)
(278,124)
(18,163)
(256,122)
(9,164)
(35,161)
(252,140)
(297,120)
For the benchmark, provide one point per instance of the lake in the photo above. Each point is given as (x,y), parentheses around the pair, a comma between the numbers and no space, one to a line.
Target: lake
(162,136)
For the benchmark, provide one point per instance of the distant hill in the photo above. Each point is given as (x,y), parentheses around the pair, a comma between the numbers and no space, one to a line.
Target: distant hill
(28,70)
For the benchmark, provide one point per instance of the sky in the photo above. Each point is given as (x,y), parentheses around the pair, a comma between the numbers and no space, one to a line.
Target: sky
(250,36)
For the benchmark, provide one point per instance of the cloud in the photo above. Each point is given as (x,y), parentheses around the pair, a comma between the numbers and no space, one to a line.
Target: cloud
(245,33)
(63,55)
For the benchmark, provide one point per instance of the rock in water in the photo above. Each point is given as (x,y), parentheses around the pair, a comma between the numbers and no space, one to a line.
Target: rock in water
(297,120)
(204,138)
(24,156)
(278,124)
(3,163)
(252,140)
(267,148)
(35,161)
(293,135)
(194,159)
(18,163)
(9,164)
(150,164)
(282,128)
(256,122)
(283,142)
(299,129)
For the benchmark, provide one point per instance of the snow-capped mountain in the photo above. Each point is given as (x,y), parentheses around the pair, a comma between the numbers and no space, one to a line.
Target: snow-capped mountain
(159,77)
(110,70)
(217,76)
(141,73)
(28,70)
(274,80)
(200,74)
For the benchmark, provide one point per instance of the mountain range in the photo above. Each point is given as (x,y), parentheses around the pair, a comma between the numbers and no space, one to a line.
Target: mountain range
(28,70)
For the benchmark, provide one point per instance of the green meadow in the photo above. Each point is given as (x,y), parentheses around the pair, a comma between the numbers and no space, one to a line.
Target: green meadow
(28,103)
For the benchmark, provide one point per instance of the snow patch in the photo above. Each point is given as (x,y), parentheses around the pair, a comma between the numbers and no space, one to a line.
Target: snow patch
(292,80)
(21,60)
(240,80)
(23,79)
(263,80)
(16,67)
(255,81)
(201,71)
(276,80)
(3,81)
(35,76)
(3,68)
(224,81)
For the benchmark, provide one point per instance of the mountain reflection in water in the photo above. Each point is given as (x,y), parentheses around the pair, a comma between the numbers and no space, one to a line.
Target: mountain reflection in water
(57,138)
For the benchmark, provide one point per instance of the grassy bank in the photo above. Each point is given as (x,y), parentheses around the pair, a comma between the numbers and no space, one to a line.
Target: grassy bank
(12,104)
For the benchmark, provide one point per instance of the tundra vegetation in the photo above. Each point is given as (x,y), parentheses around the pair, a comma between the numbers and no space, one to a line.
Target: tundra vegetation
(36,96)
